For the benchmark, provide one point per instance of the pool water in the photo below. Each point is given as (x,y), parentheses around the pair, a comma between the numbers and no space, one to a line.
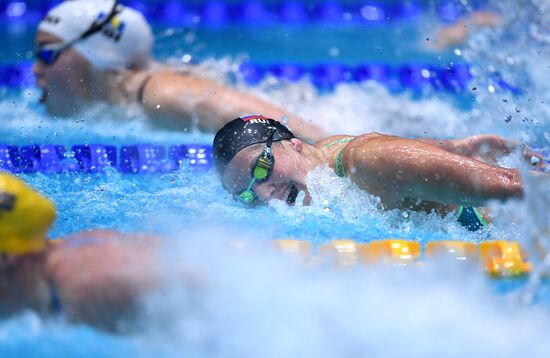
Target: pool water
(258,303)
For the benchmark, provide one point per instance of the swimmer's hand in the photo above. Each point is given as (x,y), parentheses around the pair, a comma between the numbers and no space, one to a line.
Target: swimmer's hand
(485,147)
(533,158)
(457,33)
(489,148)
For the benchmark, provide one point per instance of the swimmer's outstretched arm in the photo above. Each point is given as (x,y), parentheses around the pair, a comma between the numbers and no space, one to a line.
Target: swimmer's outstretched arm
(396,169)
(176,100)
(485,147)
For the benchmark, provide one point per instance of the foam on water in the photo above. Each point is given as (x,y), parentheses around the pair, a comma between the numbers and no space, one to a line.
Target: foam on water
(519,51)
(256,303)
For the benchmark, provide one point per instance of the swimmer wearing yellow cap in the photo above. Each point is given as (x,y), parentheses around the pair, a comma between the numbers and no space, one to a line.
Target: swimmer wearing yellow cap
(95,277)
(25,217)
(91,51)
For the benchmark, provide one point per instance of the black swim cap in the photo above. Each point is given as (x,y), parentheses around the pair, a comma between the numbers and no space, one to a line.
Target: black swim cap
(244,132)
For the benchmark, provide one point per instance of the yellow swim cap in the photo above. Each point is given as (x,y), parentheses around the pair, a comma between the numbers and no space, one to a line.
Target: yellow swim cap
(25,217)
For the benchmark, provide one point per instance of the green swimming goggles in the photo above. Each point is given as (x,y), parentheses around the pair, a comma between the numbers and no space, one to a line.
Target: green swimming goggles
(260,171)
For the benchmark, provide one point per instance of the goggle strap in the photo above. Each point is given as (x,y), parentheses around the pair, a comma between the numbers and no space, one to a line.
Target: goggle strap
(251,184)
(96,27)
(248,196)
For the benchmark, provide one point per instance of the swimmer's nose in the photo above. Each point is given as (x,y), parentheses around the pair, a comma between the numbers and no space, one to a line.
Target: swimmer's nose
(38,69)
(265,191)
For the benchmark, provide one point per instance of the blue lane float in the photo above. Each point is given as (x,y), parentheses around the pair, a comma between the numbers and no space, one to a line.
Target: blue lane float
(44,158)
(259,13)
(92,158)
(95,158)
(140,158)
(9,158)
(16,75)
(416,77)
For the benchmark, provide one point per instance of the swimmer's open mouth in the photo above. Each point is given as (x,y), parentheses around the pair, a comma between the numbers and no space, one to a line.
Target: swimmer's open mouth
(292,194)
(44,96)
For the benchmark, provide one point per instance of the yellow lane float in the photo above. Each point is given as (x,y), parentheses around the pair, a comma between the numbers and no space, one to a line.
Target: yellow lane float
(343,253)
(395,251)
(452,250)
(499,258)
(299,249)
(504,258)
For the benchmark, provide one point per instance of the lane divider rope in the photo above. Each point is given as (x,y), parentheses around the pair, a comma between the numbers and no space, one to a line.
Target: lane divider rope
(95,158)
(260,13)
(142,158)
(499,258)
(416,77)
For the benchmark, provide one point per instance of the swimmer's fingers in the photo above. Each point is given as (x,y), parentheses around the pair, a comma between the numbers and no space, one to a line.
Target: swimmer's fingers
(498,146)
(538,173)
(486,18)
(533,158)
(498,143)
(487,146)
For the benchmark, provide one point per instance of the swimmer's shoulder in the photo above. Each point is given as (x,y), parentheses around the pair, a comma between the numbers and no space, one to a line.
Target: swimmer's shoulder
(332,139)
(353,153)
(174,72)
(163,87)
(353,140)
(340,149)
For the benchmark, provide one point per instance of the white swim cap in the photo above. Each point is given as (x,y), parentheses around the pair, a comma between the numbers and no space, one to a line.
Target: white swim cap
(125,42)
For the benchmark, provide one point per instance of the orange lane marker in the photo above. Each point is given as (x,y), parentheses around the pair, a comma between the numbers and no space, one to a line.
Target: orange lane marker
(343,253)
(300,249)
(460,251)
(504,258)
(395,251)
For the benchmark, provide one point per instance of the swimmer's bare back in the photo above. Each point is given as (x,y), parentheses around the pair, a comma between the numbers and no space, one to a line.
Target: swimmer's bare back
(183,100)
(401,171)
(101,275)
(97,277)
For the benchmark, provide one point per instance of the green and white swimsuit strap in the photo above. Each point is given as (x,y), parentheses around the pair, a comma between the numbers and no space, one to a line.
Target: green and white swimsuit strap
(471,218)
(339,167)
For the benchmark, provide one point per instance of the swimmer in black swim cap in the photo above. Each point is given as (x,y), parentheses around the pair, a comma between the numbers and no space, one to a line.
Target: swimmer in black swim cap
(245,132)
(259,159)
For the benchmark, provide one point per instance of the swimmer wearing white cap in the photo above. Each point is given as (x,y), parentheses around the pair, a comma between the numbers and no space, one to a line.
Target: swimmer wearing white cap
(100,51)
